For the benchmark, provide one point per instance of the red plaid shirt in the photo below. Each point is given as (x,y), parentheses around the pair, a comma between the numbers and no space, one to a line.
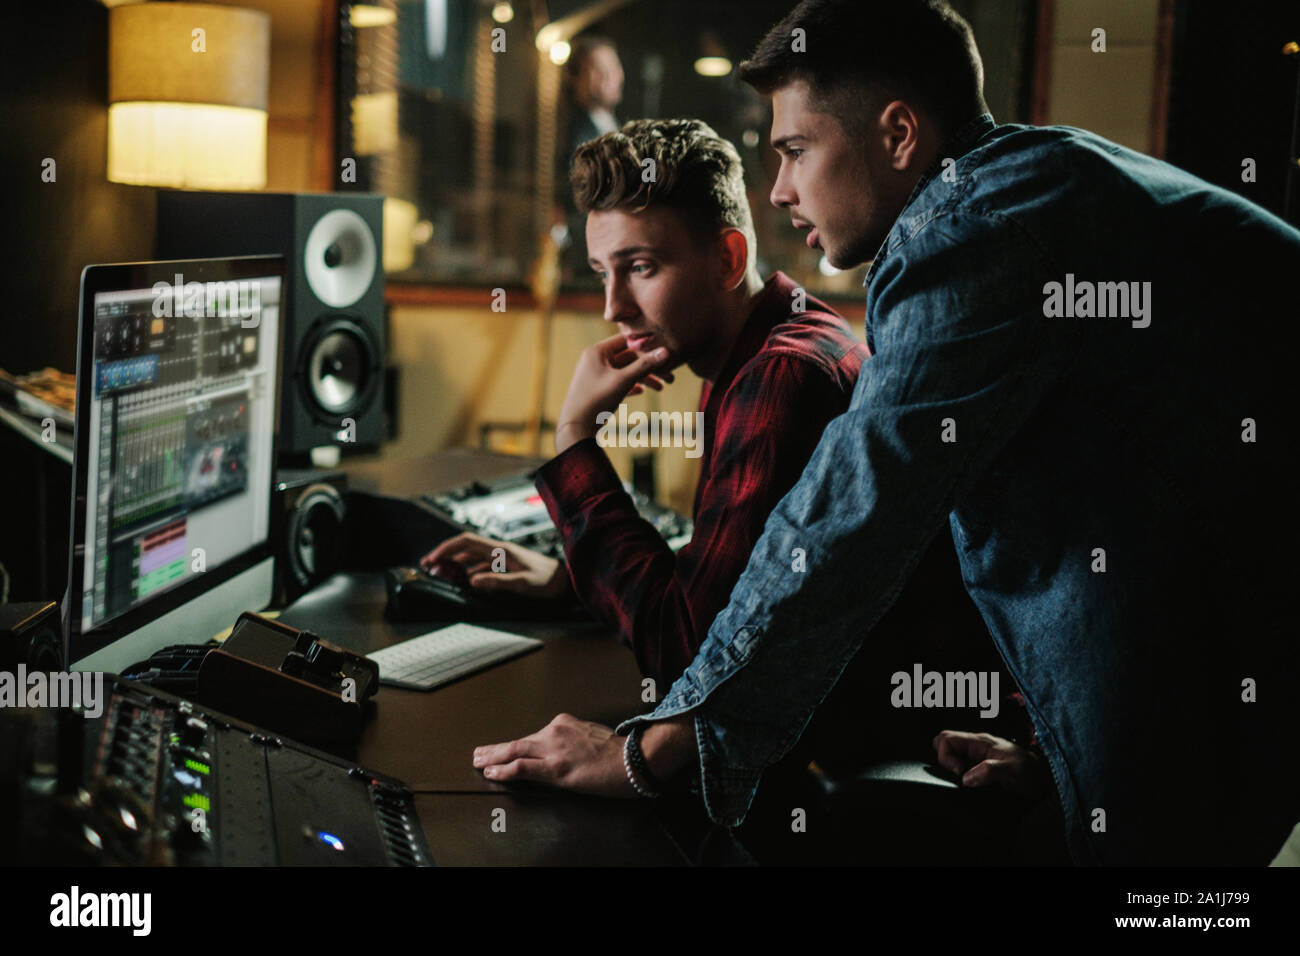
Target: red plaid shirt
(787,376)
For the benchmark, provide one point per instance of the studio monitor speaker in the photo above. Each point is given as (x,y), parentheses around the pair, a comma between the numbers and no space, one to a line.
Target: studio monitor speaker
(333,341)
(308,527)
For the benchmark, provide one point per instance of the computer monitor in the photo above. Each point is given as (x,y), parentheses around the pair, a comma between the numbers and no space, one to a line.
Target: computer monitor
(175,438)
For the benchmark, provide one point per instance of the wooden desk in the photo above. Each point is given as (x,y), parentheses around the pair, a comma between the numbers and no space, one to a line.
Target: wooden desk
(427,738)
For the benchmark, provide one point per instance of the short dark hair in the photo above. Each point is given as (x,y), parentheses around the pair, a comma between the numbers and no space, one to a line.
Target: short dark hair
(696,172)
(857,55)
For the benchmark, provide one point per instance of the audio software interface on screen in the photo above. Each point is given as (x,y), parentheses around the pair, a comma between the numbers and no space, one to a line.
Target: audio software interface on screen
(183,407)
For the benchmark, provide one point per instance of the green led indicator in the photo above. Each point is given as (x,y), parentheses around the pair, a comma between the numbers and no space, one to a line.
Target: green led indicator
(198,767)
(198,801)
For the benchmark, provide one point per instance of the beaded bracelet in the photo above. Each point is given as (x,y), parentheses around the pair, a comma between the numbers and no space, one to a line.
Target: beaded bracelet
(634,764)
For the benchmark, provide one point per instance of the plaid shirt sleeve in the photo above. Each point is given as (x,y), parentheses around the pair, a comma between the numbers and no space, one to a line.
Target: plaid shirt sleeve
(623,571)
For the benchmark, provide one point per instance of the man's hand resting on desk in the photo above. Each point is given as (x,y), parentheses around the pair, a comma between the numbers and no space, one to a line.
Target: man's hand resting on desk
(579,755)
(526,572)
(982,760)
(606,373)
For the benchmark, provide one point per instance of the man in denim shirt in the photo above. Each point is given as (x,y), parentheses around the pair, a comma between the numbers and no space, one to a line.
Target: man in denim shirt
(1076,370)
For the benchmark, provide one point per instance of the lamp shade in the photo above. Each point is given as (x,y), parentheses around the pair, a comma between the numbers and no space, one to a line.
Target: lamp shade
(187,90)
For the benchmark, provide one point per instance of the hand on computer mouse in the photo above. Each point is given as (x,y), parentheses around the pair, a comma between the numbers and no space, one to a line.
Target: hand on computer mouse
(500,566)
(449,570)
(982,760)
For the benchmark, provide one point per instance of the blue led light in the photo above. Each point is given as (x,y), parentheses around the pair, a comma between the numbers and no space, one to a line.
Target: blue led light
(330,839)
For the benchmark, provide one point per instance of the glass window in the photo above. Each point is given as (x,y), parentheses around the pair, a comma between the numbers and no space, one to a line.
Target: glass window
(464,113)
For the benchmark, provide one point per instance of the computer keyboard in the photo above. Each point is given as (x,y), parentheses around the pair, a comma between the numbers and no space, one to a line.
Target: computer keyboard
(441,656)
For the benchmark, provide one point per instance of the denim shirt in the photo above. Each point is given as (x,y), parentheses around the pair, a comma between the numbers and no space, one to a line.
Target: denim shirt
(1113,486)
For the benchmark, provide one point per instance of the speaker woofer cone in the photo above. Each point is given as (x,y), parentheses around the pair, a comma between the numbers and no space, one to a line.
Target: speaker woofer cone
(315,535)
(339,368)
(336,372)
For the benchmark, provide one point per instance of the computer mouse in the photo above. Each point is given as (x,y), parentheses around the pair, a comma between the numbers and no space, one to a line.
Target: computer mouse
(451,571)
(418,594)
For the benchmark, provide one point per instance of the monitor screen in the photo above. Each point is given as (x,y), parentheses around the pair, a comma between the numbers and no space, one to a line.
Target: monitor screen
(177,392)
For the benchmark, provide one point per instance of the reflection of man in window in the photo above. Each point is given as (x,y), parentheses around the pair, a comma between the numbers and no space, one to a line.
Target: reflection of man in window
(595,77)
